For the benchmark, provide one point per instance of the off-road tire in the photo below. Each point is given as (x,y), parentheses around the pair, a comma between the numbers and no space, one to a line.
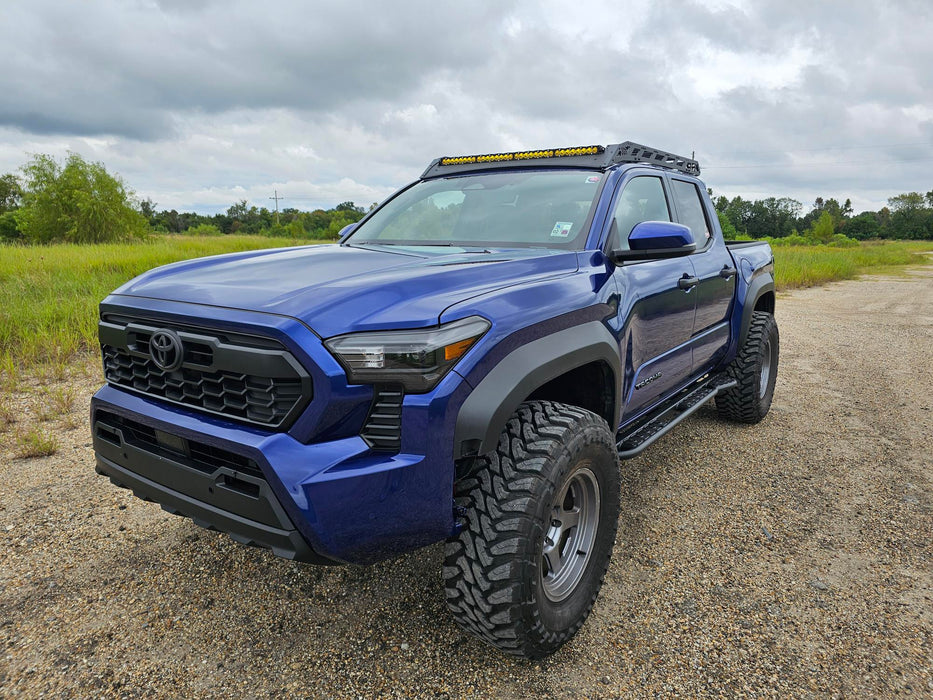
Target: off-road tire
(755,371)
(497,583)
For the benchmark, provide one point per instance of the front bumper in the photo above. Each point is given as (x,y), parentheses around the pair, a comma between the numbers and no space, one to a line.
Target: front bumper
(326,502)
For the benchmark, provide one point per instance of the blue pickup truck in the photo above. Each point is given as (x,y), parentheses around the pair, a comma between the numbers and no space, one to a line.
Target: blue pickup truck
(469,363)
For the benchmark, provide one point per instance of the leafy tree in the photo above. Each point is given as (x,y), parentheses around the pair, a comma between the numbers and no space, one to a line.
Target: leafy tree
(204,230)
(10,192)
(823,230)
(350,207)
(910,218)
(295,229)
(9,232)
(728,230)
(908,202)
(147,209)
(863,226)
(79,202)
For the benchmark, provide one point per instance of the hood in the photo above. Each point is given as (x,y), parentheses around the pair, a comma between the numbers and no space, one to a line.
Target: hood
(337,289)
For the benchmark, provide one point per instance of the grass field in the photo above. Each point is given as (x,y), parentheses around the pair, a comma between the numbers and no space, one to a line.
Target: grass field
(49,294)
(808,266)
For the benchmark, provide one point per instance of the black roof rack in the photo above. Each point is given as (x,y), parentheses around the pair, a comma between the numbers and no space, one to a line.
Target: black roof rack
(600,157)
(631,152)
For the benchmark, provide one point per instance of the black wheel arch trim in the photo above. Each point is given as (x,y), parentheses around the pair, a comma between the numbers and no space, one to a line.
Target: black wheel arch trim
(485,412)
(757,288)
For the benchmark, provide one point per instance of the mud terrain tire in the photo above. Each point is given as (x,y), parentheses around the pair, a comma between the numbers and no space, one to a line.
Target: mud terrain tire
(542,512)
(755,370)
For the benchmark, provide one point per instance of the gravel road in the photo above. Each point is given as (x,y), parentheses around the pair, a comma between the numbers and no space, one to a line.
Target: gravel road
(789,559)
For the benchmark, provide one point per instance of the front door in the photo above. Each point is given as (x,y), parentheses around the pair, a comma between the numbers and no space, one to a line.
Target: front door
(656,310)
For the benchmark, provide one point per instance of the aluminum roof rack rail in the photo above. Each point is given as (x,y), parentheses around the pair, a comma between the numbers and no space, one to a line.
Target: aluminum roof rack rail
(631,152)
(597,157)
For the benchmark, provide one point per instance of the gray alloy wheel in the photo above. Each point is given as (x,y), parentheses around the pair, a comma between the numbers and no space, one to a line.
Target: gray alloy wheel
(569,541)
(766,359)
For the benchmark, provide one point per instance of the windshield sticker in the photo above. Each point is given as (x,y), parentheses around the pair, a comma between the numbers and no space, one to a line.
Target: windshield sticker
(593,179)
(561,229)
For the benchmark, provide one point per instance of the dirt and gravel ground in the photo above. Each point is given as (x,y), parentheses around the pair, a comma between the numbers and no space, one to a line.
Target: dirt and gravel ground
(789,559)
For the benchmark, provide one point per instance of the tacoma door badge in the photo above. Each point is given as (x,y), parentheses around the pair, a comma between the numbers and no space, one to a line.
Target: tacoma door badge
(645,382)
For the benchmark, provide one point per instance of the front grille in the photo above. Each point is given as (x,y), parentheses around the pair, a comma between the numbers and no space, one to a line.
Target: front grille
(198,455)
(383,428)
(249,379)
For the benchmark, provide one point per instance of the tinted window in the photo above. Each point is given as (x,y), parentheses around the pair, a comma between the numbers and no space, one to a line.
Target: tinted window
(547,209)
(690,209)
(642,200)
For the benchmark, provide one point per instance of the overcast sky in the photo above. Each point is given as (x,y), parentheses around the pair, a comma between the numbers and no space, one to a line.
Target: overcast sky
(198,104)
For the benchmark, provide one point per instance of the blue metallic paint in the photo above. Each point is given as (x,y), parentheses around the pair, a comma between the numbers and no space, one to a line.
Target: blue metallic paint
(360,506)
(653,235)
(341,289)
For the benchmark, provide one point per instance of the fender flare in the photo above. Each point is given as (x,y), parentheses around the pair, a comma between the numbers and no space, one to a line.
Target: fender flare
(485,412)
(761,285)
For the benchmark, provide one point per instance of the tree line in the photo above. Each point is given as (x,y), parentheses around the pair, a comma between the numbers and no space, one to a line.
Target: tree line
(80,202)
(320,224)
(907,216)
(77,201)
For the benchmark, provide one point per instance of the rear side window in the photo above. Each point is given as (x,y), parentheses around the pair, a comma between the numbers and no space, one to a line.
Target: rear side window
(642,200)
(690,208)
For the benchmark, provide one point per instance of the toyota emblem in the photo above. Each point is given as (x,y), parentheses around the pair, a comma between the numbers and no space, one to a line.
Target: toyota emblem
(165,350)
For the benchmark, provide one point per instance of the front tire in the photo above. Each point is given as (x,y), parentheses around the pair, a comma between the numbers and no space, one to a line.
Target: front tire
(755,371)
(542,513)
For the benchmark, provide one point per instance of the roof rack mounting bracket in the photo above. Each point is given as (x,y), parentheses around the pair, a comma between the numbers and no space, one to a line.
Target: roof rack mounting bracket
(631,152)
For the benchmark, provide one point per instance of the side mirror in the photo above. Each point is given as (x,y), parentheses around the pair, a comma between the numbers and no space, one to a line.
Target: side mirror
(652,240)
(346,231)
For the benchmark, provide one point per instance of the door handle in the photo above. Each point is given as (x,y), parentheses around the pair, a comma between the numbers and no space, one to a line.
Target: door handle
(687,283)
(727,272)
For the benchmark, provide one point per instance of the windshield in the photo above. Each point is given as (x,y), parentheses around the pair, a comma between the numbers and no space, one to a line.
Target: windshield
(539,209)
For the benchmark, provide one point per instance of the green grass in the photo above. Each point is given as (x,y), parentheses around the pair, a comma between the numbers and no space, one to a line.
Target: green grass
(35,443)
(49,294)
(807,266)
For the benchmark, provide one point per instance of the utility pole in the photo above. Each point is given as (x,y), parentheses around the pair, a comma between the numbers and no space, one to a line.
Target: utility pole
(276,198)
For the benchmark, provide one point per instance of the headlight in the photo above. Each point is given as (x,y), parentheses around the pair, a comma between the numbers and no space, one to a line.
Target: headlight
(417,359)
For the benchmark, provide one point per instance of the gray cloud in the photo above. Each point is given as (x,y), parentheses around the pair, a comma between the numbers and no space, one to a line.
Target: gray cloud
(202,103)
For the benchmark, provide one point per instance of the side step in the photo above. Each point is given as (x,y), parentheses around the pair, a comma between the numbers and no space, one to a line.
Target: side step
(633,442)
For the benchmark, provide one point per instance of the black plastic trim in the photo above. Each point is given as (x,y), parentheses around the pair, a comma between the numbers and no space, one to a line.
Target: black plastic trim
(382,430)
(208,354)
(761,285)
(228,500)
(486,410)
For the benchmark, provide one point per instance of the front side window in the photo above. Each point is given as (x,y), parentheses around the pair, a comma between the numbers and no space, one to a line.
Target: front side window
(690,209)
(642,200)
(545,209)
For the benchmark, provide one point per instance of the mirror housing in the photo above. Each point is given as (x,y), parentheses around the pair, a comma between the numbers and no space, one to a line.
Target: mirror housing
(654,240)
(346,231)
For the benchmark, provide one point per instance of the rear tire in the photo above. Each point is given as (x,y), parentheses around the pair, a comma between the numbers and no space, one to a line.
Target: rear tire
(755,371)
(542,513)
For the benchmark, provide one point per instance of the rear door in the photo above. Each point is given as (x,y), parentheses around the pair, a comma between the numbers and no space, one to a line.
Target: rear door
(715,270)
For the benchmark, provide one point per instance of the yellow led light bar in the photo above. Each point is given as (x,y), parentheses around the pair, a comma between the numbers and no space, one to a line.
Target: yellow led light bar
(524,155)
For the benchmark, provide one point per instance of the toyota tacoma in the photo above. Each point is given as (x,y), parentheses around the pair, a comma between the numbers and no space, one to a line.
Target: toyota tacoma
(468,364)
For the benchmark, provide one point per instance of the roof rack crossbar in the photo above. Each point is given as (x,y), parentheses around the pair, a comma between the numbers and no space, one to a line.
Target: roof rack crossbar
(631,152)
(597,157)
